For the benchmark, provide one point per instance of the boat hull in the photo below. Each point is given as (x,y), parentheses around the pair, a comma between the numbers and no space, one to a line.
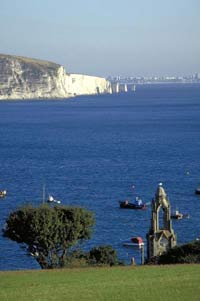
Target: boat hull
(133,245)
(124,205)
(135,242)
(197,191)
(180,216)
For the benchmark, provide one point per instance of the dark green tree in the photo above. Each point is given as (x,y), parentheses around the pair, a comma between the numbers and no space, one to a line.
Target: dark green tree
(49,232)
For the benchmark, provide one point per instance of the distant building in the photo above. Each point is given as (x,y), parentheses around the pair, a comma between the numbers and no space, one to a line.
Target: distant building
(165,79)
(161,236)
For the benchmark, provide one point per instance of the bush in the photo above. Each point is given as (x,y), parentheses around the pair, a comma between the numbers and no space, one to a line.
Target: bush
(76,258)
(187,253)
(103,255)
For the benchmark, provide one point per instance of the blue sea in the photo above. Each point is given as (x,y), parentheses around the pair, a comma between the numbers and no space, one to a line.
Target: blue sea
(89,151)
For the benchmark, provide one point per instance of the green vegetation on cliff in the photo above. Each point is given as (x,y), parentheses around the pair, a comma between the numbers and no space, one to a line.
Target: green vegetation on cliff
(35,63)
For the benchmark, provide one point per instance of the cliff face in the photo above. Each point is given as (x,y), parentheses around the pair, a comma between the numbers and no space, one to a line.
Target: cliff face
(84,84)
(24,78)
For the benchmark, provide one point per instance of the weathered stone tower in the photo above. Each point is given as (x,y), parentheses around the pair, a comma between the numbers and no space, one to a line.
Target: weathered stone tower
(161,236)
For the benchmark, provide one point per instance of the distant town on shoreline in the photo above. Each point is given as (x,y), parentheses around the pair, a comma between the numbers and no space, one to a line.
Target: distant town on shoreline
(190,79)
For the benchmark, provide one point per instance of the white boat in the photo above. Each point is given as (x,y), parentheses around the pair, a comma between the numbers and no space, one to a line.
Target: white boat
(52,200)
(3,193)
(178,215)
(134,242)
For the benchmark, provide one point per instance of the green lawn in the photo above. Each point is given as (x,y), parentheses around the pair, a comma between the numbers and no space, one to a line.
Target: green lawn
(175,282)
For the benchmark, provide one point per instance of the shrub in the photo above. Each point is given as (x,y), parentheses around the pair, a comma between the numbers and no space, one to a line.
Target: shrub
(103,255)
(187,253)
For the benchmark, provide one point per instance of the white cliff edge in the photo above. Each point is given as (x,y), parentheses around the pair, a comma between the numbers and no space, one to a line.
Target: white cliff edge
(25,78)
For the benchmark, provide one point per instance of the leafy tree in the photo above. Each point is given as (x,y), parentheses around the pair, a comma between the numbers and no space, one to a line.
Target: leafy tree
(49,232)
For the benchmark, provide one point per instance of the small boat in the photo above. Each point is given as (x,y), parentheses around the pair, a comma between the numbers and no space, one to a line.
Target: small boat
(197,191)
(134,242)
(3,193)
(138,204)
(178,215)
(52,200)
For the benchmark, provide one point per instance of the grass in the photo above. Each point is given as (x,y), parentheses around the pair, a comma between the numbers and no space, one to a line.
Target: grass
(31,61)
(175,282)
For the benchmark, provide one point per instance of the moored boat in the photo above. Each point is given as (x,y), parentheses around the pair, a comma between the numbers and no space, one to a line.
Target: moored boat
(52,200)
(134,242)
(178,215)
(137,204)
(3,193)
(197,191)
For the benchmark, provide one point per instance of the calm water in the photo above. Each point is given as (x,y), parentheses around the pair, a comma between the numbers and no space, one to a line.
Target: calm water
(89,151)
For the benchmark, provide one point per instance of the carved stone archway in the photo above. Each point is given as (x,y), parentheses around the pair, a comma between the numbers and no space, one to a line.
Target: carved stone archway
(159,240)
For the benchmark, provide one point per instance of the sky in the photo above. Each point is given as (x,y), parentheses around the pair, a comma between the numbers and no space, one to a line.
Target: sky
(105,37)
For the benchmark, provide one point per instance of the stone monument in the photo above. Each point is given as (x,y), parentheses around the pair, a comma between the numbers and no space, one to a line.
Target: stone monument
(161,236)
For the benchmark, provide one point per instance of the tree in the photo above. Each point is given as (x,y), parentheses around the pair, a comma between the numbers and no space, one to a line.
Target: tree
(49,232)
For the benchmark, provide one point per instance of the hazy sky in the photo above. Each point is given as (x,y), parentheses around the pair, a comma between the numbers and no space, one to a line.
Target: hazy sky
(105,37)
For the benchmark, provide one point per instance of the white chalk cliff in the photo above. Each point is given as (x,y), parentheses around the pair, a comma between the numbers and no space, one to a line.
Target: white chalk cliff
(26,78)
